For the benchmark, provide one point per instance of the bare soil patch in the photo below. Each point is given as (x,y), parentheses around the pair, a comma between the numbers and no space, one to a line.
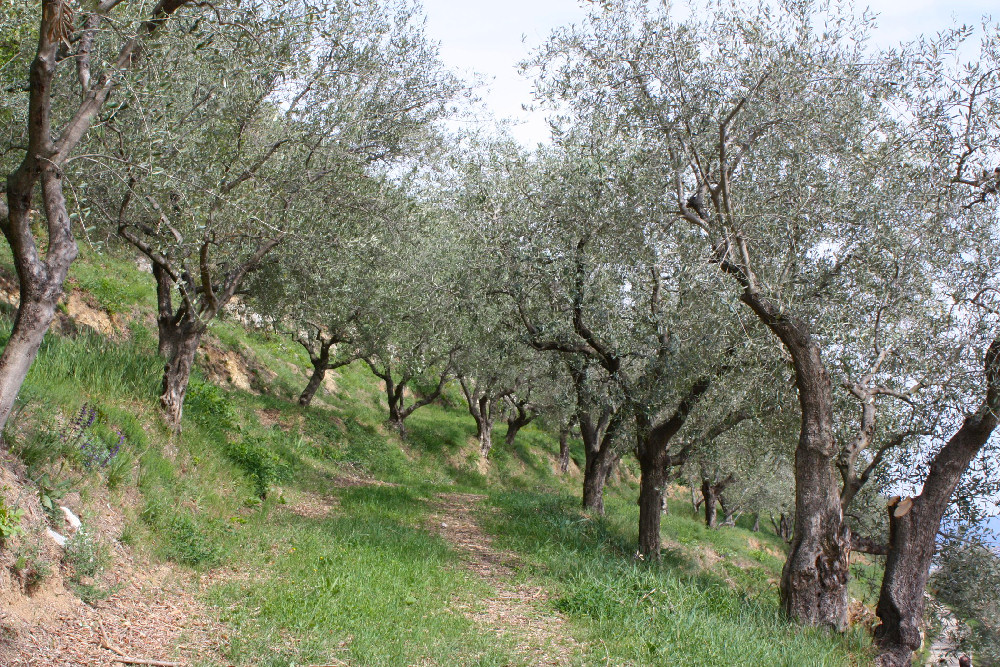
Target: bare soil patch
(156,619)
(515,612)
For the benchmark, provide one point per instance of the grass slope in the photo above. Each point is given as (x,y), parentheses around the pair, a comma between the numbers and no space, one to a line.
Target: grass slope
(325,569)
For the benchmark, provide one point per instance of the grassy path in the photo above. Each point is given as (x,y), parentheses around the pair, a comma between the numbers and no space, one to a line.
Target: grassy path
(514,611)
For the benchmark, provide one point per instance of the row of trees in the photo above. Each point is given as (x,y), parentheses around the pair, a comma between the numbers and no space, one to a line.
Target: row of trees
(749,224)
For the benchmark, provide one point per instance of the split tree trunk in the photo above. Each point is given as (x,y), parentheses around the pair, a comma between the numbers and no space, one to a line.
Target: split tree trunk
(914,524)
(599,456)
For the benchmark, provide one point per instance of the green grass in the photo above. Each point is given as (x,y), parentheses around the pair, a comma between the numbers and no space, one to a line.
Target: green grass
(368,583)
(667,613)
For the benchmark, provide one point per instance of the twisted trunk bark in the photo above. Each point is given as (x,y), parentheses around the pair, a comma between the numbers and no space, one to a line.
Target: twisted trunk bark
(915,522)
(814,578)
(651,484)
(599,457)
(182,348)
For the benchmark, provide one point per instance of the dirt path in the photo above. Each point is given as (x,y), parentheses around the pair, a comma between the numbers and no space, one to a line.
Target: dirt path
(514,612)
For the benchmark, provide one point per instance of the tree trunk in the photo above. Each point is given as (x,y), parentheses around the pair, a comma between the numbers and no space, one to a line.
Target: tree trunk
(727,511)
(183,346)
(595,476)
(395,400)
(563,451)
(814,579)
(756,522)
(485,434)
(30,324)
(914,524)
(708,493)
(655,464)
(599,458)
(513,426)
(651,484)
(785,528)
(318,375)
(518,421)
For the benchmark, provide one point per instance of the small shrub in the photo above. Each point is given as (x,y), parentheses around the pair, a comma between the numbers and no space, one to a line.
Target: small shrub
(259,462)
(30,566)
(185,540)
(10,521)
(87,554)
(119,470)
(208,406)
(188,544)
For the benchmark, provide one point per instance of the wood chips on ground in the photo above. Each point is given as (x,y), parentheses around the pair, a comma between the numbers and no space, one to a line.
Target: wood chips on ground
(148,620)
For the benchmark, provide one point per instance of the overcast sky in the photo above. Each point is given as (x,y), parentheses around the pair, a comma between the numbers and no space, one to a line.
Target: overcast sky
(489,38)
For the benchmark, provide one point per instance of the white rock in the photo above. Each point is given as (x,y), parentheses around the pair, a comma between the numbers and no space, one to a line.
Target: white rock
(72,519)
(444,525)
(56,537)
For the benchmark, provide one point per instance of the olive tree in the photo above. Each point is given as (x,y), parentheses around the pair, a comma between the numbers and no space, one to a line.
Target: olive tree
(777,143)
(78,62)
(595,278)
(326,95)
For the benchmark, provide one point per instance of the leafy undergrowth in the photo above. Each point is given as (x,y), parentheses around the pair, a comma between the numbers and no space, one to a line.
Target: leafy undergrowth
(309,526)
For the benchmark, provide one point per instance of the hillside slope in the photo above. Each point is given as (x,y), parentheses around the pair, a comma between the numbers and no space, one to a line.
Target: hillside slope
(270,534)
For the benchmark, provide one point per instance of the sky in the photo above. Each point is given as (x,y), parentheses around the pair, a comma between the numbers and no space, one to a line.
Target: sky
(489,38)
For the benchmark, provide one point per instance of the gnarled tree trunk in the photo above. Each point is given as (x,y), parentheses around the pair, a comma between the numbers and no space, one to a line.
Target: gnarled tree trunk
(915,522)
(814,578)
(395,392)
(518,420)
(653,478)
(482,406)
(655,463)
(315,380)
(179,335)
(182,347)
(599,456)
(48,148)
